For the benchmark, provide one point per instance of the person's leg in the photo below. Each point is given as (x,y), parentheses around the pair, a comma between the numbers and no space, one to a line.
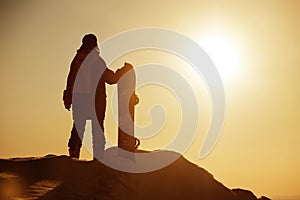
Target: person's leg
(75,142)
(79,108)
(98,131)
(98,139)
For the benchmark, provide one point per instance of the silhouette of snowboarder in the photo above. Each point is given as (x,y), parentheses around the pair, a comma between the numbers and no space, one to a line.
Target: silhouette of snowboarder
(87,67)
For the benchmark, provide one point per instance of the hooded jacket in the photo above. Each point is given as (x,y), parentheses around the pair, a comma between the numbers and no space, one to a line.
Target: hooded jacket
(88,73)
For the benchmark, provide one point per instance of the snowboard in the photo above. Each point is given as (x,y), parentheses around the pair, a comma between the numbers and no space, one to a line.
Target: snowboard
(127,100)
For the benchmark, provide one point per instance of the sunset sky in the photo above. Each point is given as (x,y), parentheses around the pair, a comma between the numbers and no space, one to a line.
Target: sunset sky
(254,44)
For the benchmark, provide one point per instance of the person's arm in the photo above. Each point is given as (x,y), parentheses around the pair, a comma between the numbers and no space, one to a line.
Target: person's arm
(110,77)
(67,95)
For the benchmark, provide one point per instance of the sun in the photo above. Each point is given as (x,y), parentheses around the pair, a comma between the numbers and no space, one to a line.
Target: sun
(223,52)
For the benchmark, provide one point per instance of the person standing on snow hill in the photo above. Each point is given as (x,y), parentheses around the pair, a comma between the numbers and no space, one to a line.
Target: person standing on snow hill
(85,88)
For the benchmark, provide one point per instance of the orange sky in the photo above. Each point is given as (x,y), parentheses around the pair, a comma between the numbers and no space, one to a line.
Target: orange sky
(259,146)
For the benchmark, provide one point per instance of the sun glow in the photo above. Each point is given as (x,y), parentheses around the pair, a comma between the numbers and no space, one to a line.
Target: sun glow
(224,54)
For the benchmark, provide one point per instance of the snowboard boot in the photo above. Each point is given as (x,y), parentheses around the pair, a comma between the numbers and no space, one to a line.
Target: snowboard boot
(74,153)
(74,144)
